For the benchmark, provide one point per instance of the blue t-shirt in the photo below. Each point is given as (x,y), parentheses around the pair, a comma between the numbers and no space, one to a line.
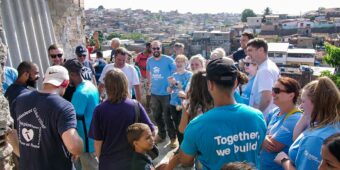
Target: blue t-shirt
(41,119)
(10,75)
(281,129)
(305,151)
(238,97)
(159,71)
(183,79)
(247,90)
(13,92)
(85,99)
(216,137)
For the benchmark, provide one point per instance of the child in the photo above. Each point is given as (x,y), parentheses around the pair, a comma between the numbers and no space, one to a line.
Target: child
(178,82)
(140,138)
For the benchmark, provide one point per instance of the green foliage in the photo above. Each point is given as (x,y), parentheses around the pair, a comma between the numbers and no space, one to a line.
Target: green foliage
(332,56)
(267,11)
(131,36)
(247,13)
(334,77)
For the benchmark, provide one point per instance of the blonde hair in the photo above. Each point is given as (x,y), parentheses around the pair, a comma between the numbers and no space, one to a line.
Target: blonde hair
(219,52)
(325,97)
(116,85)
(200,58)
(181,57)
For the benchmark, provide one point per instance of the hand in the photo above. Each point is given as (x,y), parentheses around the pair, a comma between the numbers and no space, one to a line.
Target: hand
(279,157)
(267,144)
(182,94)
(75,158)
(162,166)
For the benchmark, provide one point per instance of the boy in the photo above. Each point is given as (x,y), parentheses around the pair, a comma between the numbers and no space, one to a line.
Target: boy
(140,138)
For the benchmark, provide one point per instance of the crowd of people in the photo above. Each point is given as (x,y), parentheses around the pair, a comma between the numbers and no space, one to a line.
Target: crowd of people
(224,112)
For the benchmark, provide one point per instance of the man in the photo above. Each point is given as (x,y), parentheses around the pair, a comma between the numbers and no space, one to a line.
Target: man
(9,75)
(159,68)
(241,52)
(87,71)
(115,43)
(55,54)
(129,71)
(266,76)
(5,120)
(85,99)
(141,64)
(27,78)
(216,137)
(46,125)
(178,50)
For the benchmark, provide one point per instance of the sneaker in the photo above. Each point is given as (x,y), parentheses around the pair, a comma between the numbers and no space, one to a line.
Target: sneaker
(159,139)
(173,143)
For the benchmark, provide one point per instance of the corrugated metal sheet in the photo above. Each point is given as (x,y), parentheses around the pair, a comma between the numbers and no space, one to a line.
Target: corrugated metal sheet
(28,31)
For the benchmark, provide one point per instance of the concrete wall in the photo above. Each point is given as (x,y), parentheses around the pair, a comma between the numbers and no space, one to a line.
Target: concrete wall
(68,20)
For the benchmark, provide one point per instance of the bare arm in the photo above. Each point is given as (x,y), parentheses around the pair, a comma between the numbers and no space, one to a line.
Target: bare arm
(12,138)
(266,97)
(271,145)
(94,80)
(301,125)
(138,93)
(184,122)
(98,147)
(185,159)
(72,141)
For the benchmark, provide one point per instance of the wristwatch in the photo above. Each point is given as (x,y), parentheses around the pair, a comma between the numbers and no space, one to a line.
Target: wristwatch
(283,160)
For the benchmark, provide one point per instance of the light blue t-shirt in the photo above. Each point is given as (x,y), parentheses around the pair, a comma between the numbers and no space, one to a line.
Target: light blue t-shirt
(159,71)
(216,137)
(305,151)
(11,76)
(281,128)
(85,99)
(183,79)
(238,97)
(247,90)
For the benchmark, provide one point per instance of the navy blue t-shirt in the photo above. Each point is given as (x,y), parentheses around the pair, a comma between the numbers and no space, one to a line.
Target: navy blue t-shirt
(41,119)
(239,54)
(13,91)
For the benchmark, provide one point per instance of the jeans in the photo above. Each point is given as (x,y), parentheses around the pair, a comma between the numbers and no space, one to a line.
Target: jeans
(87,161)
(176,117)
(160,111)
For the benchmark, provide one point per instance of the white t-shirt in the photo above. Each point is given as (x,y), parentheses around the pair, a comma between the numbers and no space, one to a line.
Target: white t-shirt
(129,71)
(267,74)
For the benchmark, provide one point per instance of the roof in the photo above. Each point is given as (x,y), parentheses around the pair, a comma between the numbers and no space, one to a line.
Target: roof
(278,47)
(301,51)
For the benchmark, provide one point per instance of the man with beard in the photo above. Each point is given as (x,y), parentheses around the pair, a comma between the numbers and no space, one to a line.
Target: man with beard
(159,68)
(28,74)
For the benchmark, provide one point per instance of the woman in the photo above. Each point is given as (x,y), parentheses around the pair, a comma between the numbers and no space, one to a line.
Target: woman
(321,104)
(330,153)
(251,69)
(111,120)
(197,63)
(281,123)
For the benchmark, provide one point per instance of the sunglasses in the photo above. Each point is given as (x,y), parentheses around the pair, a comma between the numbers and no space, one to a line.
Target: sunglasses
(248,64)
(56,55)
(81,55)
(157,48)
(277,90)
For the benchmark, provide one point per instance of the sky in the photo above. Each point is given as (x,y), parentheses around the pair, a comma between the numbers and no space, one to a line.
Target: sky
(294,7)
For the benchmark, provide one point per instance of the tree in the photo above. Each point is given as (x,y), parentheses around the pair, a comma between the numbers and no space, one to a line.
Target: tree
(247,13)
(333,56)
(267,11)
(100,7)
(113,35)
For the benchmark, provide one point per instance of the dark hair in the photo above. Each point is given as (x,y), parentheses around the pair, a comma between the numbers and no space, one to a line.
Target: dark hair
(222,72)
(237,166)
(248,34)
(198,94)
(325,96)
(148,44)
(333,145)
(291,86)
(99,54)
(121,50)
(53,47)
(25,66)
(134,132)
(258,43)
(116,85)
(73,66)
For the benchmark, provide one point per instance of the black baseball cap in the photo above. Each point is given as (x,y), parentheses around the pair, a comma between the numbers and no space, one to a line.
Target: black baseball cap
(81,50)
(222,71)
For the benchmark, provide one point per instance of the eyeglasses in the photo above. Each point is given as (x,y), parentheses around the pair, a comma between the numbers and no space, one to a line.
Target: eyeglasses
(81,55)
(156,48)
(277,90)
(248,64)
(56,55)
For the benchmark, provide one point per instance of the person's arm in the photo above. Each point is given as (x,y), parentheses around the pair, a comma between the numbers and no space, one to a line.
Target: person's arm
(98,147)
(12,138)
(271,145)
(173,162)
(94,80)
(301,125)
(72,141)
(185,159)
(266,97)
(183,122)
(138,93)
(283,160)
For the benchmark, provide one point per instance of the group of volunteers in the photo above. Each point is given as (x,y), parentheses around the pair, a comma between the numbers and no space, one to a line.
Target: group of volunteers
(224,112)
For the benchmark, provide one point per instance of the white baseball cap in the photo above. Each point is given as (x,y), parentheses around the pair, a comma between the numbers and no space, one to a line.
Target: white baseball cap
(56,75)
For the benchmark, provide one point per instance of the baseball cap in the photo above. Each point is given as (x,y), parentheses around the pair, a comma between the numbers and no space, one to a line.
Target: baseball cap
(56,75)
(81,50)
(222,71)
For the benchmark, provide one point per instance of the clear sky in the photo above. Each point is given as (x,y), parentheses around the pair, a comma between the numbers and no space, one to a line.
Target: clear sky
(216,6)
